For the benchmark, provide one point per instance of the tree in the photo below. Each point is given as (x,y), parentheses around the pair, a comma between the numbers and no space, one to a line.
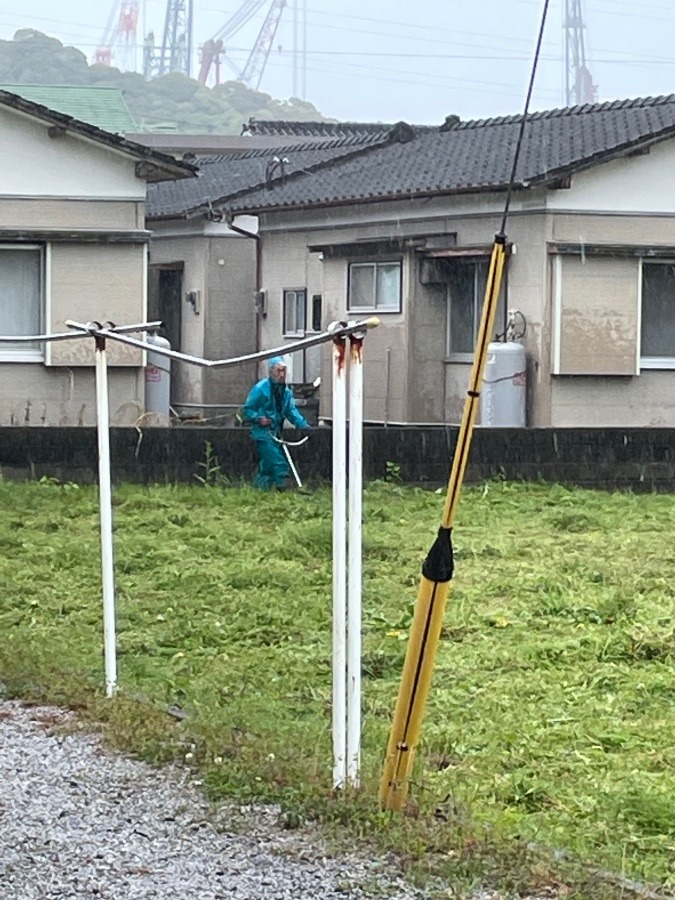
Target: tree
(173,101)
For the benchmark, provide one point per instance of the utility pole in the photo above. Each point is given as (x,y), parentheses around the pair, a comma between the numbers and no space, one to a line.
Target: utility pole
(579,87)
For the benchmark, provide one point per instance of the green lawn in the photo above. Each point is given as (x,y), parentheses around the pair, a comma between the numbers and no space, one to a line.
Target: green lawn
(551,720)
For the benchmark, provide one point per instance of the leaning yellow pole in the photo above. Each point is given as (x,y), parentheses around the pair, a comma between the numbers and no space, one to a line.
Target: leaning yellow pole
(437,572)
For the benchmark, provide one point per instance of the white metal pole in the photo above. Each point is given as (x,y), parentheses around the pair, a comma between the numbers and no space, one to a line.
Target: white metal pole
(340,361)
(291,464)
(355,564)
(105,506)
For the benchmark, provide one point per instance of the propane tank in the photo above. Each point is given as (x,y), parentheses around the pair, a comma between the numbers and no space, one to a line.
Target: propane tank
(158,379)
(504,386)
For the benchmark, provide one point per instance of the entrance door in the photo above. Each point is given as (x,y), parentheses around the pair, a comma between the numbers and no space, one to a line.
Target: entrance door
(165,291)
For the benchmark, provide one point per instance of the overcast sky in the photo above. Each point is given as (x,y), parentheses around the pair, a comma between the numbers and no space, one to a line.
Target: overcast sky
(416,60)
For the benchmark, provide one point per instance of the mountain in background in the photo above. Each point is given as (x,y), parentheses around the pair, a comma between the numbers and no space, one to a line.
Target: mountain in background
(171,103)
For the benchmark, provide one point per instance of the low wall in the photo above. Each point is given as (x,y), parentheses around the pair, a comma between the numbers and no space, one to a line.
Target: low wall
(639,459)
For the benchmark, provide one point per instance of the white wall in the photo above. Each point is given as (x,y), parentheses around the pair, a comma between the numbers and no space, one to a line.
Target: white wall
(641,184)
(35,165)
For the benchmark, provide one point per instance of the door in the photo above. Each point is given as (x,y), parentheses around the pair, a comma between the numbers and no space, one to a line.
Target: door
(165,292)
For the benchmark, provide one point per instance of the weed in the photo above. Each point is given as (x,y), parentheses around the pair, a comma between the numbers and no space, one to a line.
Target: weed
(549,721)
(211,475)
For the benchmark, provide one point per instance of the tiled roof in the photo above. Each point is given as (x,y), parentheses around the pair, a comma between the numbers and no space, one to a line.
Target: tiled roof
(221,177)
(477,155)
(103,107)
(365,131)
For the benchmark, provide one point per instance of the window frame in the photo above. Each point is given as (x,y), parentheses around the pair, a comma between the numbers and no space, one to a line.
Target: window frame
(285,299)
(465,356)
(665,363)
(30,354)
(375,263)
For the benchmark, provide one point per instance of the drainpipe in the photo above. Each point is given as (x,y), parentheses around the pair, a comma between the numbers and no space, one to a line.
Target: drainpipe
(258,273)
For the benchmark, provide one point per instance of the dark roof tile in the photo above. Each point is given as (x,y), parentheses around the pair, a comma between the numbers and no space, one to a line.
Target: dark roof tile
(477,155)
(221,177)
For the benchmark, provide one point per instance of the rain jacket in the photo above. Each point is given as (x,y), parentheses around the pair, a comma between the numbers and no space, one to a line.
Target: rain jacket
(274,402)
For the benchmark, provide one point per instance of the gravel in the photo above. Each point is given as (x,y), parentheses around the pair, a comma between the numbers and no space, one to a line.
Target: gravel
(79,822)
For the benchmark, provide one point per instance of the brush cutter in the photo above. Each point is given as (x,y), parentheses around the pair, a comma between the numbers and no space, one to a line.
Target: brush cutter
(287,453)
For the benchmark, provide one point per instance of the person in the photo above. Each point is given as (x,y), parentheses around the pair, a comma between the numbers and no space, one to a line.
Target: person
(269,403)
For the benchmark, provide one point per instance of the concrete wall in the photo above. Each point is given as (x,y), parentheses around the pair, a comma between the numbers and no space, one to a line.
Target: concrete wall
(71,193)
(64,166)
(647,398)
(82,281)
(408,377)
(192,251)
(229,317)
(423,385)
(96,215)
(31,395)
(220,264)
(636,459)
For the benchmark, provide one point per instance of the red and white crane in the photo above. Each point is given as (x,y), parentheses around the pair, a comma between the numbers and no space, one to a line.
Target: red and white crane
(214,50)
(120,38)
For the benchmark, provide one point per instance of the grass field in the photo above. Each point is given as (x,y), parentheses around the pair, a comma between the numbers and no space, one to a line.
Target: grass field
(551,722)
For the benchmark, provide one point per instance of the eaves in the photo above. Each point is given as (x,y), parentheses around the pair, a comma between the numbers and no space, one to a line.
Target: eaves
(377,198)
(637,147)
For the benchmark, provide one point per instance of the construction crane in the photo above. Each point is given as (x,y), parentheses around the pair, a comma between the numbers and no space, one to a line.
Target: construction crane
(119,38)
(213,50)
(175,52)
(579,87)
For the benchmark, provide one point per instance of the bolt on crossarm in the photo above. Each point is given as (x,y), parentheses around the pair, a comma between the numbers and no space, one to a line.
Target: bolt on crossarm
(436,573)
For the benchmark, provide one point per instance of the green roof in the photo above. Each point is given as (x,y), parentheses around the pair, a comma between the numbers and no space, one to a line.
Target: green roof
(102,107)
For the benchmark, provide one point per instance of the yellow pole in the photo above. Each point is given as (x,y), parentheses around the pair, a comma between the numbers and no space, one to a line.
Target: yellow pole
(437,572)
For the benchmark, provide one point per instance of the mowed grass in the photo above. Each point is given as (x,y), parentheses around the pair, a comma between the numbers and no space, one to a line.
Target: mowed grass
(550,731)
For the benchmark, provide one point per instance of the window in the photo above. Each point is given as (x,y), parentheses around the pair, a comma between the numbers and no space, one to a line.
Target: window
(657,334)
(375,286)
(466,292)
(295,311)
(21,300)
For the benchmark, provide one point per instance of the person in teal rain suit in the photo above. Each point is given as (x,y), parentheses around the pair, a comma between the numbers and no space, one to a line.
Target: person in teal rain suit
(269,403)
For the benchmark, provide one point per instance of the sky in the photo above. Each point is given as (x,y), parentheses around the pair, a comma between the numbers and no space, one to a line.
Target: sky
(412,60)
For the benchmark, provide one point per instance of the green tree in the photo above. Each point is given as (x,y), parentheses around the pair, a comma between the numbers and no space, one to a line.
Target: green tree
(173,101)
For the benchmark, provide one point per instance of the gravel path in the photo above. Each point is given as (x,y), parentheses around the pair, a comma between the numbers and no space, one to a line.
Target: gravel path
(78,822)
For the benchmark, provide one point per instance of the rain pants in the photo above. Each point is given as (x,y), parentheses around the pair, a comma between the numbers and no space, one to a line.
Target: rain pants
(275,402)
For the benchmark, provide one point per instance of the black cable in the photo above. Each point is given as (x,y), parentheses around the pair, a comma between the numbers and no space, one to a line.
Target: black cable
(507,205)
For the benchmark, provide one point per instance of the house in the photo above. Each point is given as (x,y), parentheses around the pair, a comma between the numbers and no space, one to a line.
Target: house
(73,245)
(205,271)
(402,227)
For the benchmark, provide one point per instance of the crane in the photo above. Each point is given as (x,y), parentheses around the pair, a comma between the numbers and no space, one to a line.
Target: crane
(175,52)
(119,37)
(579,86)
(213,50)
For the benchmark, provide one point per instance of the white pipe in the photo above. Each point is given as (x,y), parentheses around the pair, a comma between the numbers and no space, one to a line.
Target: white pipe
(105,506)
(335,330)
(339,562)
(355,564)
(289,460)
